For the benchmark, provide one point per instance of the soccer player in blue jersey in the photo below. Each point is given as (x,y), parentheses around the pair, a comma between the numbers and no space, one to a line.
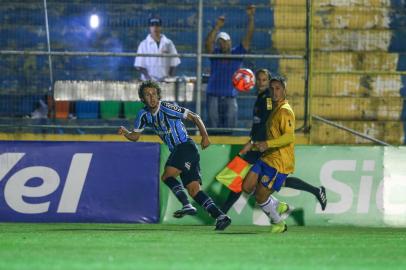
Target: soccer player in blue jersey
(166,120)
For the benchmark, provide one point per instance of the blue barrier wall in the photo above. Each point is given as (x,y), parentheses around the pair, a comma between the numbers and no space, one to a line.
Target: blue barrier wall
(79,182)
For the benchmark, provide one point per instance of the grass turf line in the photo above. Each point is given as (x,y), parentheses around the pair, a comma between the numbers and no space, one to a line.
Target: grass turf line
(148,246)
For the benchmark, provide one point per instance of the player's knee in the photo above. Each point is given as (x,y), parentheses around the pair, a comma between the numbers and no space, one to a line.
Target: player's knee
(193,188)
(164,177)
(247,188)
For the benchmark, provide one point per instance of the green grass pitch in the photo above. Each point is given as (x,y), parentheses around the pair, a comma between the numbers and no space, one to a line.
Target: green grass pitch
(150,246)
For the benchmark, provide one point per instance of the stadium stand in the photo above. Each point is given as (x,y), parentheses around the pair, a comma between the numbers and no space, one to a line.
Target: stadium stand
(356,55)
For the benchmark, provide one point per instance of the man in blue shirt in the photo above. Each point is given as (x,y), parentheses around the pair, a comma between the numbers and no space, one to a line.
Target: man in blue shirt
(166,120)
(222,106)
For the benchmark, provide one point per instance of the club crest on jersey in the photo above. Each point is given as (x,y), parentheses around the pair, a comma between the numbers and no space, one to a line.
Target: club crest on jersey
(265,179)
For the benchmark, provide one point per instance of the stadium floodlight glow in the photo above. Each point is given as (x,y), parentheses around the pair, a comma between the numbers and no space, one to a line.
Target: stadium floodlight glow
(94,21)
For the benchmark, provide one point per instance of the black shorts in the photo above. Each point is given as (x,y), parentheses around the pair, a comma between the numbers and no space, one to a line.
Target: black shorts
(185,157)
(252,156)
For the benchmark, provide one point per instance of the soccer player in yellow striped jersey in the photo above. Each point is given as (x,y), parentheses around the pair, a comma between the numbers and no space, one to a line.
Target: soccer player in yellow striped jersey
(270,172)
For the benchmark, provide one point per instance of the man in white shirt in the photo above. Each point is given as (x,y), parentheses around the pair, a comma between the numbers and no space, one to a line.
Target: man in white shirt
(156,68)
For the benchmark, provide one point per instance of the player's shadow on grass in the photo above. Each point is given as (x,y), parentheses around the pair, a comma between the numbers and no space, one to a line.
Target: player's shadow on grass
(140,227)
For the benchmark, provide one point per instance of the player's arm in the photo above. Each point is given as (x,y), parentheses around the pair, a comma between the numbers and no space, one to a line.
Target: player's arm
(139,124)
(250,27)
(195,118)
(130,135)
(212,34)
(287,126)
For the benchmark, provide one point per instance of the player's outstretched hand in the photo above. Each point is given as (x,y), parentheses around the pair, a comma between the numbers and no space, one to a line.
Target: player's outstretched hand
(251,10)
(205,142)
(122,130)
(262,146)
(247,147)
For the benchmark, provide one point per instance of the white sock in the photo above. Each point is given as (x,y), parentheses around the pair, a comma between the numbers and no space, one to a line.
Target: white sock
(274,202)
(269,208)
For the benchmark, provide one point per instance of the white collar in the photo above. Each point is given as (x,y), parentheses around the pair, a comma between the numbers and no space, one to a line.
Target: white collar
(150,39)
(157,111)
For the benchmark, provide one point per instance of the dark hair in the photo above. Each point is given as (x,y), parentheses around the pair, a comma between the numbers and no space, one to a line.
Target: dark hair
(278,78)
(148,84)
(263,70)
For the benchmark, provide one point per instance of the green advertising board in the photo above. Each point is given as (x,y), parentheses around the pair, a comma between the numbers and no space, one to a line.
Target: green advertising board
(365,185)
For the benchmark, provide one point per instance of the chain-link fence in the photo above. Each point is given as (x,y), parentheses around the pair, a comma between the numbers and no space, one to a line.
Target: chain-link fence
(68,66)
(358,69)
(54,51)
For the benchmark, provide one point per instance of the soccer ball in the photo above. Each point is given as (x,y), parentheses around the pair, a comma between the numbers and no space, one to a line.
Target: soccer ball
(243,79)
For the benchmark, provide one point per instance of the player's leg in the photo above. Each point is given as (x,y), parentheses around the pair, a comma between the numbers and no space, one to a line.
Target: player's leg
(269,205)
(299,184)
(271,180)
(262,193)
(169,178)
(230,200)
(192,181)
(267,202)
(205,201)
(251,157)
(250,182)
(173,168)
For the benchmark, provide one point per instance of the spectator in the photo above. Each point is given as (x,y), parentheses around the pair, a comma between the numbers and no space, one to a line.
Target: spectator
(221,95)
(156,68)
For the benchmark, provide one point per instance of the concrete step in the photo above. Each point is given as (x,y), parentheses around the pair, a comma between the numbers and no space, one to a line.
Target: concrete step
(350,108)
(392,132)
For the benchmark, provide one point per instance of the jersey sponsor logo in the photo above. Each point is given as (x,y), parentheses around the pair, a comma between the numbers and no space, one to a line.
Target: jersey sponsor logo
(173,107)
(269,104)
(160,132)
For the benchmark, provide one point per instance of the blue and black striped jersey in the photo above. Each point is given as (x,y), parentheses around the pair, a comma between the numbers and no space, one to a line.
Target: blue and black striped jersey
(166,122)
